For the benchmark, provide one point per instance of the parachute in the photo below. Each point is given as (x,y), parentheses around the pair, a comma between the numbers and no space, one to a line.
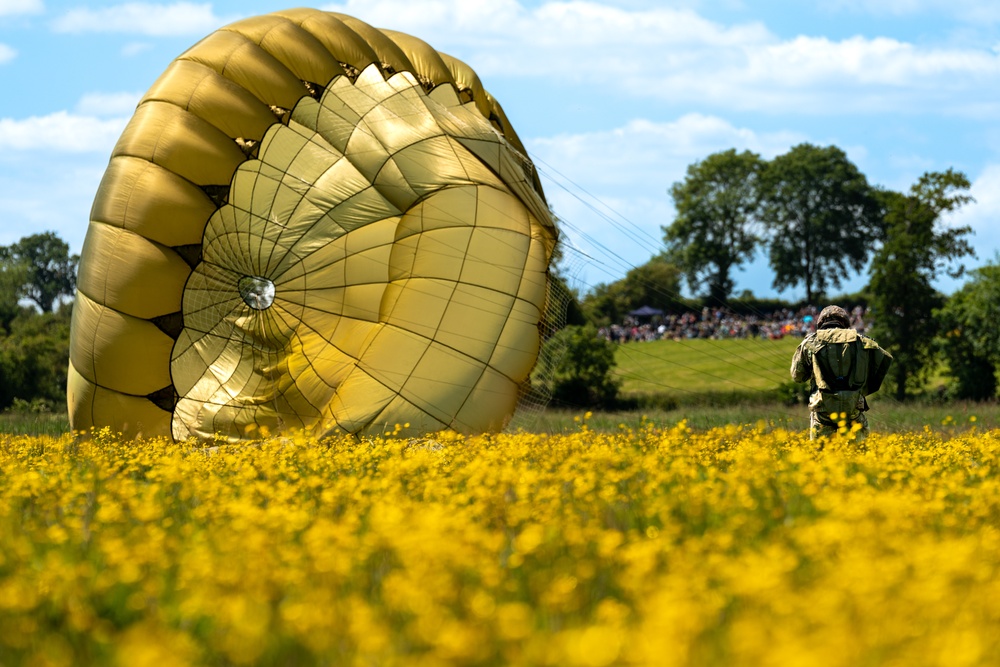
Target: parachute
(310,223)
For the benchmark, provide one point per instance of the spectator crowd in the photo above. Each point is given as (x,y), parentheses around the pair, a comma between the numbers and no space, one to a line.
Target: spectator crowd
(722,323)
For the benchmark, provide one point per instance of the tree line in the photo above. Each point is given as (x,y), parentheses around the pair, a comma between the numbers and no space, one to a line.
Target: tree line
(37,283)
(820,222)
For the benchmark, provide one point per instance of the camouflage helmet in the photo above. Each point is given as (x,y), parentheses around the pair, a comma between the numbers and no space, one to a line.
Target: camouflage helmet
(833,317)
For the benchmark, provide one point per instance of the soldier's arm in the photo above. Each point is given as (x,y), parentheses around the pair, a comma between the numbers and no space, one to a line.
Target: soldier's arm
(801,363)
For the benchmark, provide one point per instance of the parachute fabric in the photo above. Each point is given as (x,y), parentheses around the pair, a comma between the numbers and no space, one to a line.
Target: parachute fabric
(310,223)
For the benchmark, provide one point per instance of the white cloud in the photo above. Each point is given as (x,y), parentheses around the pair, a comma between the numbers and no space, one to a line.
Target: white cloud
(984,214)
(677,56)
(50,195)
(651,153)
(133,49)
(6,54)
(12,7)
(61,132)
(611,188)
(108,104)
(140,18)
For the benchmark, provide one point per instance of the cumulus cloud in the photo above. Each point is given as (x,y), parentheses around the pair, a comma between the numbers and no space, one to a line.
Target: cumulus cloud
(13,7)
(984,214)
(141,18)
(108,104)
(610,188)
(647,154)
(6,54)
(678,56)
(61,132)
(133,49)
(50,195)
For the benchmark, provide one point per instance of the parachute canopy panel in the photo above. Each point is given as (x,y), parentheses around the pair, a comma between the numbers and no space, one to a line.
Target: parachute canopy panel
(311,223)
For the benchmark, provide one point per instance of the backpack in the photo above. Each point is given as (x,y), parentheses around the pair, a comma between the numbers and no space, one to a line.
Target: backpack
(846,367)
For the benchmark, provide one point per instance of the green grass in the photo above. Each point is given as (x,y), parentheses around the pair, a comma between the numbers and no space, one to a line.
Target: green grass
(704,382)
(33,423)
(886,415)
(688,371)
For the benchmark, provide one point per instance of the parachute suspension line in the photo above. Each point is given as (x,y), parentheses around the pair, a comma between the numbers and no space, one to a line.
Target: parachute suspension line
(634,231)
(640,236)
(677,297)
(621,262)
(536,393)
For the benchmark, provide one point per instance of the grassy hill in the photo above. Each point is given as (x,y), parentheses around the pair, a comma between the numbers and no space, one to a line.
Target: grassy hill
(700,370)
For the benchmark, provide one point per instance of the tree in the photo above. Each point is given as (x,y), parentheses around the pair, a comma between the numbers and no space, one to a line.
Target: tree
(716,225)
(575,367)
(969,336)
(822,217)
(12,276)
(916,247)
(51,270)
(34,358)
(656,283)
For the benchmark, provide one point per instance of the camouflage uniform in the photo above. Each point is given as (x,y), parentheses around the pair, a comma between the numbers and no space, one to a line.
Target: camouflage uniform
(843,367)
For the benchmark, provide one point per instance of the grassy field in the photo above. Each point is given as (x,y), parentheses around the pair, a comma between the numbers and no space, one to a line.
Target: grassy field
(690,370)
(34,423)
(707,383)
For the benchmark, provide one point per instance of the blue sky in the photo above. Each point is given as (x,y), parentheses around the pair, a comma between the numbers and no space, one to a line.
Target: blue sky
(613,98)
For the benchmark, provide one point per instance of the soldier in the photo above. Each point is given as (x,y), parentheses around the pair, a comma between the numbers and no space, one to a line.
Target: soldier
(844,367)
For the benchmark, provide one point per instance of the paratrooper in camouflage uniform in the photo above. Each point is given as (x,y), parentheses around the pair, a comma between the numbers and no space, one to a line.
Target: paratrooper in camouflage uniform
(843,368)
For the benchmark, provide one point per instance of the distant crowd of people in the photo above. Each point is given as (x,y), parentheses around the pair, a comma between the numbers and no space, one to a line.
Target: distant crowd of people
(722,323)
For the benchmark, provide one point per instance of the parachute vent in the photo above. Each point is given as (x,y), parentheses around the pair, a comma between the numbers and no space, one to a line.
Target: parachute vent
(257,292)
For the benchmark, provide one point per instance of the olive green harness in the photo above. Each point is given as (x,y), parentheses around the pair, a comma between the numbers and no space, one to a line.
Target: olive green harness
(843,364)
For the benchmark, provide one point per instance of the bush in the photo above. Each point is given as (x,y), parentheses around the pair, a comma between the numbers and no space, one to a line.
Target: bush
(34,360)
(574,369)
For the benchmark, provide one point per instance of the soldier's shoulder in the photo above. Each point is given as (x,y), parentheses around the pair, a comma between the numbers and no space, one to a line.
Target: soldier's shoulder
(808,338)
(868,340)
(808,342)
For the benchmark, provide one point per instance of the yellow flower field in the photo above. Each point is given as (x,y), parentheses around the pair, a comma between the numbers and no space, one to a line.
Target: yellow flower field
(736,546)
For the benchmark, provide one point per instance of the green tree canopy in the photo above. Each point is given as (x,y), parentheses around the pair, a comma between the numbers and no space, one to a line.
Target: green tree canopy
(656,283)
(34,358)
(13,275)
(970,337)
(50,269)
(716,225)
(822,217)
(915,248)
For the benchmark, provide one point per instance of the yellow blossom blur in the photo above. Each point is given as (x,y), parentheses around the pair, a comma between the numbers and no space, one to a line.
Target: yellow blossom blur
(653,546)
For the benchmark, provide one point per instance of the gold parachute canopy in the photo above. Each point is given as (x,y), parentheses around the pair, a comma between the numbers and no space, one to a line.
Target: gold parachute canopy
(310,223)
